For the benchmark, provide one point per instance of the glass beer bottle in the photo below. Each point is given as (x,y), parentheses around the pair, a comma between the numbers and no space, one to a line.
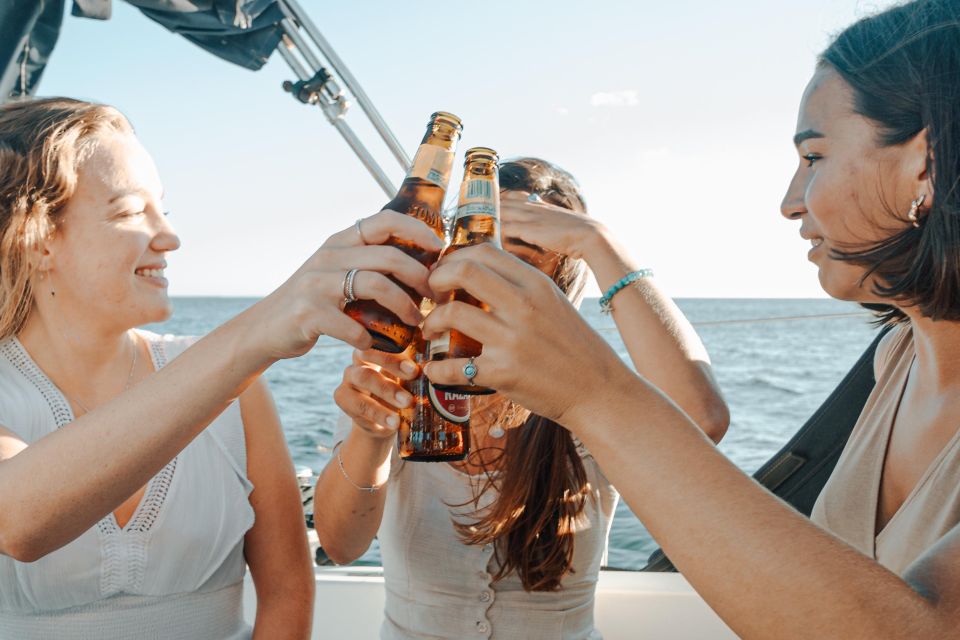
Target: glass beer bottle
(421,196)
(477,221)
(436,427)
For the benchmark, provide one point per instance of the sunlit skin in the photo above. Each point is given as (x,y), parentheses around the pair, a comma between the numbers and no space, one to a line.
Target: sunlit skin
(661,343)
(848,190)
(101,273)
(114,229)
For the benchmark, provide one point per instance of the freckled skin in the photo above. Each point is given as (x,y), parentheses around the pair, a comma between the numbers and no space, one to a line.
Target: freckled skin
(855,193)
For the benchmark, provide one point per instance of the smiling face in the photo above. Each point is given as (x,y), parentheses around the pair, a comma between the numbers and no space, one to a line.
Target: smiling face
(107,258)
(848,191)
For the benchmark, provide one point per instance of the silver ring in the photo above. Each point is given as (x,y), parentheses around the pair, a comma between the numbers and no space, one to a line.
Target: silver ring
(348,292)
(534,197)
(470,370)
(356,225)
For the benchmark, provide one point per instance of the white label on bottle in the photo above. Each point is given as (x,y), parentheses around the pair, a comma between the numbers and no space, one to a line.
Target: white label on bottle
(476,209)
(433,164)
(453,407)
(478,197)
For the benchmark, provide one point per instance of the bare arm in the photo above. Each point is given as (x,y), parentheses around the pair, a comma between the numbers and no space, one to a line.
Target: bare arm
(101,461)
(347,517)
(765,569)
(276,547)
(662,344)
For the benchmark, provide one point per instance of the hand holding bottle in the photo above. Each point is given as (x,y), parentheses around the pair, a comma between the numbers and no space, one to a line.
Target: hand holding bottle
(537,349)
(288,322)
(372,393)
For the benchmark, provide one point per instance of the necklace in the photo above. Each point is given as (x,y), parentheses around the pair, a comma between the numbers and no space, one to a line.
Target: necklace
(133,366)
(496,431)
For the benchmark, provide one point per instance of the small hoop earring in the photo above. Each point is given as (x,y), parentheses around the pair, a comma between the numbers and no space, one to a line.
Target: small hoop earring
(914,210)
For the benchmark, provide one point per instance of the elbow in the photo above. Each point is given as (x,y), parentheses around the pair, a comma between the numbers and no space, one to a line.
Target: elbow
(714,419)
(20,548)
(339,555)
(337,552)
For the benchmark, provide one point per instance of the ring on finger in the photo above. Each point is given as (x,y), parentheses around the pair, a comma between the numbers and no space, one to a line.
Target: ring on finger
(470,370)
(348,293)
(356,225)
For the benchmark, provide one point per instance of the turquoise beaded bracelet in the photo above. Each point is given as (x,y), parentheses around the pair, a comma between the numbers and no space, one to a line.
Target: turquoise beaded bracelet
(606,302)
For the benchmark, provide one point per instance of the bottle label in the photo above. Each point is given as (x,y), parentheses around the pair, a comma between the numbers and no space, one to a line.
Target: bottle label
(433,164)
(477,198)
(453,407)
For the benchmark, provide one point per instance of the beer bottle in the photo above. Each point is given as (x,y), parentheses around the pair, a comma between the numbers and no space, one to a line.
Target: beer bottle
(421,196)
(436,427)
(477,220)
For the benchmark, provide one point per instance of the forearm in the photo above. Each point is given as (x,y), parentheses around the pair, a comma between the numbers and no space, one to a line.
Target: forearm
(286,615)
(663,346)
(102,458)
(348,518)
(742,549)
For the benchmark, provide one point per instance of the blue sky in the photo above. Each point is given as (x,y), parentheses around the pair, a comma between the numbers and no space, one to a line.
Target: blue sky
(676,117)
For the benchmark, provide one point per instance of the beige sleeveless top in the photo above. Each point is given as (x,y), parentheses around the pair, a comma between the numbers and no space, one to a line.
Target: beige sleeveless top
(847,506)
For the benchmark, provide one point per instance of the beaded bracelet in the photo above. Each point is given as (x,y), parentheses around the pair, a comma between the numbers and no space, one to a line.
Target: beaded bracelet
(606,302)
(371,489)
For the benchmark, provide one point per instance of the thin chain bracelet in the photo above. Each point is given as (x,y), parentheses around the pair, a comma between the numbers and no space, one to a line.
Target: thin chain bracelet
(371,489)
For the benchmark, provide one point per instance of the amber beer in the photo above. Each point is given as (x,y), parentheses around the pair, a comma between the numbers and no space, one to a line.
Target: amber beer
(477,221)
(436,427)
(421,196)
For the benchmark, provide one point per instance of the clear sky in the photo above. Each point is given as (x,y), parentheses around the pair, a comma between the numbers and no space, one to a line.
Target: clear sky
(676,118)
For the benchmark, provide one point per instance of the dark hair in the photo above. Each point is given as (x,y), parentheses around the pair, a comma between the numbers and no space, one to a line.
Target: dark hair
(542,484)
(904,67)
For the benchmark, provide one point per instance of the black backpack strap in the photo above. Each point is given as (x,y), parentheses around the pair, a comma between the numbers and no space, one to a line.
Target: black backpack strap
(798,472)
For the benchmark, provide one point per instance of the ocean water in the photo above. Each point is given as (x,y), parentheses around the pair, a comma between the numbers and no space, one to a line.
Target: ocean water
(775,361)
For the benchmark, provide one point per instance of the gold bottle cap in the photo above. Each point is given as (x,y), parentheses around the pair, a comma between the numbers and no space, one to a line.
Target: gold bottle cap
(480,153)
(447,118)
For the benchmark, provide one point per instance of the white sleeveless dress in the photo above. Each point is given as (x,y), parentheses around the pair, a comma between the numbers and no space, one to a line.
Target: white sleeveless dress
(438,587)
(175,571)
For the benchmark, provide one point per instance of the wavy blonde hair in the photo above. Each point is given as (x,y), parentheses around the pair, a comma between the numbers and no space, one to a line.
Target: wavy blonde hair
(43,143)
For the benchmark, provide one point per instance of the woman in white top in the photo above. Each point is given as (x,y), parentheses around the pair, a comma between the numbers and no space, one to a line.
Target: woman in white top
(140,474)
(483,548)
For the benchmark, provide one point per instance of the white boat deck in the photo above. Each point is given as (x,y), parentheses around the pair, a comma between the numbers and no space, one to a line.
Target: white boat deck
(630,606)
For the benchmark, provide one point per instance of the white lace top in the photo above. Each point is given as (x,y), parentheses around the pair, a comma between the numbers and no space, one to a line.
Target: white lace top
(439,587)
(174,571)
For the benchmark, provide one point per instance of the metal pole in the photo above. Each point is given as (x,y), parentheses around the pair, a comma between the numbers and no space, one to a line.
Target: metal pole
(292,9)
(334,114)
(388,187)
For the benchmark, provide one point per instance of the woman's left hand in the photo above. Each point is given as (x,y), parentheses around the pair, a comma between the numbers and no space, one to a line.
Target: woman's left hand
(548,226)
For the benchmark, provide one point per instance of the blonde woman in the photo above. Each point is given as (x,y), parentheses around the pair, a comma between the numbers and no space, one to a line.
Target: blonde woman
(140,474)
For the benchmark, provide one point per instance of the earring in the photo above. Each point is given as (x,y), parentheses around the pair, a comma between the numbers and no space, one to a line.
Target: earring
(914,210)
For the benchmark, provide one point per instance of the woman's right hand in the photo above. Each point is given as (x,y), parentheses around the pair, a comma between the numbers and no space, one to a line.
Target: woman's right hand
(288,322)
(372,394)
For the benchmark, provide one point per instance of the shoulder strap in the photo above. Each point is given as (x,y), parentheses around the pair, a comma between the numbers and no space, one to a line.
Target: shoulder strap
(798,472)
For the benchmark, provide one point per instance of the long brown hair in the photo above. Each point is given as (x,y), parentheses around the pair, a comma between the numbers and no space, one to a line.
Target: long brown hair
(42,145)
(542,484)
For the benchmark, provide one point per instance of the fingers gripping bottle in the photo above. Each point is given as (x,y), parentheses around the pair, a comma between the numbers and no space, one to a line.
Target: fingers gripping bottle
(477,221)
(421,196)
(436,426)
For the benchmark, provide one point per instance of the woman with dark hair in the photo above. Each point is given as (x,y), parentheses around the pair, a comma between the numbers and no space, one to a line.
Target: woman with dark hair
(877,193)
(509,542)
